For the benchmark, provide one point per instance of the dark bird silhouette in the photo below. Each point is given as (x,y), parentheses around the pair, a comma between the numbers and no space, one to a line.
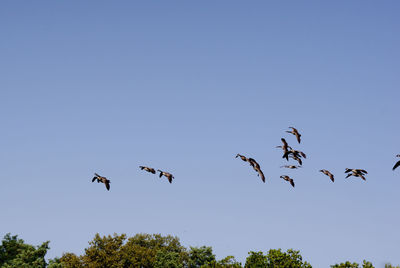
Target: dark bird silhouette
(327,173)
(290,166)
(254,164)
(244,158)
(285,147)
(397,164)
(295,132)
(102,180)
(151,170)
(287,178)
(294,153)
(298,159)
(257,168)
(166,174)
(356,173)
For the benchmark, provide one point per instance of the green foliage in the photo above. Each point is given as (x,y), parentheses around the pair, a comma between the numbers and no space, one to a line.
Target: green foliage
(388,265)
(200,257)
(167,259)
(15,253)
(276,258)
(256,260)
(229,262)
(347,264)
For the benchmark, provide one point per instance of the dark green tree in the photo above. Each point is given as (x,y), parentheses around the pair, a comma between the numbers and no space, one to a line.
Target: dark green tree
(347,264)
(256,260)
(200,256)
(15,253)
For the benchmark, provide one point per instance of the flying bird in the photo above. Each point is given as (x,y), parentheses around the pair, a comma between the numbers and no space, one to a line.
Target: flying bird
(356,173)
(257,168)
(166,174)
(397,164)
(327,173)
(291,166)
(287,178)
(294,132)
(151,170)
(284,147)
(244,158)
(102,180)
(254,164)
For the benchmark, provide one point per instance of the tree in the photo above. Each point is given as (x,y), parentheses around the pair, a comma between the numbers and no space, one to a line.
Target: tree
(229,262)
(200,256)
(276,258)
(167,259)
(15,253)
(256,260)
(347,264)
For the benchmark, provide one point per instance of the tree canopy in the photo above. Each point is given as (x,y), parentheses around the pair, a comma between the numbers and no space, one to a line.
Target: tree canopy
(145,251)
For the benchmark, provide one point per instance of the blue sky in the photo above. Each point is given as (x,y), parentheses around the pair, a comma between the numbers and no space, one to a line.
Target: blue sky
(100,86)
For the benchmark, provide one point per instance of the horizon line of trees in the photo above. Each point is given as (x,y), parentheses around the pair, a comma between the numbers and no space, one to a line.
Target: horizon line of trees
(147,251)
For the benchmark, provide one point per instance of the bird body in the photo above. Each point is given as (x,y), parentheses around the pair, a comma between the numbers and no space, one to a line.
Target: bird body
(254,164)
(151,170)
(169,176)
(327,173)
(295,132)
(356,173)
(291,166)
(287,178)
(102,180)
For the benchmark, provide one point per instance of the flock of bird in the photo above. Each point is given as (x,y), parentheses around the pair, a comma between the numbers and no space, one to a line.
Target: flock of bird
(288,152)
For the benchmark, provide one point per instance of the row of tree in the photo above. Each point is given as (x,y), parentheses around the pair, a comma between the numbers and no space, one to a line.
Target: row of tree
(145,251)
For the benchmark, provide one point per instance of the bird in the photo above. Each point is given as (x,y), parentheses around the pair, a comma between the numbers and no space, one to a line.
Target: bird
(287,178)
(326,172)
(284,147)
(254,164)
(102,180)
(291,166)
(356,173)
(298,159)
(166,174)
(257,168)
(295,153)
(244,158)
(294,132)
(397,163)
(151,170)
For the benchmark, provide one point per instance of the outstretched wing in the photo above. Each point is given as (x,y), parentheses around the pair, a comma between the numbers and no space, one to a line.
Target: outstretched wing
(298,136)
(331,176)
(94,178)
(292,182)
(261,174)
(396,165)
(107,183)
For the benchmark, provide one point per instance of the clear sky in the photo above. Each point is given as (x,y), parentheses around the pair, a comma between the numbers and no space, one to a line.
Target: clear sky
(183,86)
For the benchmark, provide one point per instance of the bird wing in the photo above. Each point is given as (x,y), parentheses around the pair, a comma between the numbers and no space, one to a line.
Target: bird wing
(348,175)
(298,136)
(261,174)
(291,182)
(94,178)
(97,175)
(303,154)
(152,170)
(170,178)
(347,170)
(141,167)
(161,173)
(331,176)
(362,177)
(107,183)
(363,171)
(396,165)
